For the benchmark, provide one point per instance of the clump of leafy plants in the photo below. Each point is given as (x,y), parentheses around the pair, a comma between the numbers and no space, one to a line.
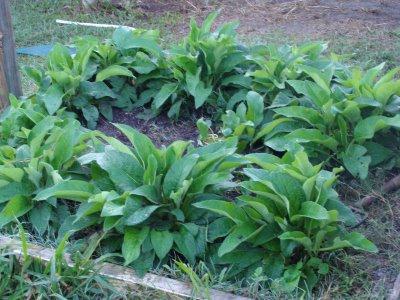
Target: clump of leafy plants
(47,156)
(245,121)
(145,194)
(274,219)
(207,68)
(287,216)
(274,65)
(340,117)
(99,76)
(344,118)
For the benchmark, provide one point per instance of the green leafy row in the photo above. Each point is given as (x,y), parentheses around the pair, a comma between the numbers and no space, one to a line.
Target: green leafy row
(158,204)
(275,98)
(258,200)
(354,122)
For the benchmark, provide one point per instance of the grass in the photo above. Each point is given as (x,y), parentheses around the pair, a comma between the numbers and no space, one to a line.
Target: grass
(355,275)
(29,278)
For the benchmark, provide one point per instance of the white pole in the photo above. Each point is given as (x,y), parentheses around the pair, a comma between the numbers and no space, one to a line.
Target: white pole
(92,24)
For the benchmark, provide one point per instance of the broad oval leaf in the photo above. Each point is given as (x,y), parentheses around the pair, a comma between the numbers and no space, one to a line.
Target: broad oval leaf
(133,240)
(77,190)
(141,215)
(162,242)
(15,208)
(311,210)
(113,70)
(239,234)
(178,172)
(224,208)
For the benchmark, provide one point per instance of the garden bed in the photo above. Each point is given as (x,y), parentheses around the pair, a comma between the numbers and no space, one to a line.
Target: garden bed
(286,122)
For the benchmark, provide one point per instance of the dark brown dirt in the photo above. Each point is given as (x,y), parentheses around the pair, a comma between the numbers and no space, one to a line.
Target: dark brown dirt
(161,130)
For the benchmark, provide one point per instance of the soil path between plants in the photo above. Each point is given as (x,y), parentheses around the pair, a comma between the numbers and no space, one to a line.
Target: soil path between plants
(161,130)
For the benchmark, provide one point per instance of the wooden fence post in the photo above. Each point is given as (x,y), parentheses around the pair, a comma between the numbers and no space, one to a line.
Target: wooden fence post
(9,76)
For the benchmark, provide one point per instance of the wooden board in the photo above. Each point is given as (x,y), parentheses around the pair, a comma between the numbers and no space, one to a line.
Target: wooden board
(122,275)
(8,64)
(3,82)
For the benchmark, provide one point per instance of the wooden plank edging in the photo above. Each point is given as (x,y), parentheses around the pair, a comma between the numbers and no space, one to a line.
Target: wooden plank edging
(8,46)
(122,275)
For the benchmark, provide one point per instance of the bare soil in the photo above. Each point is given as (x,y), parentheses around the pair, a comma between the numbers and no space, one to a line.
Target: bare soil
(161,130)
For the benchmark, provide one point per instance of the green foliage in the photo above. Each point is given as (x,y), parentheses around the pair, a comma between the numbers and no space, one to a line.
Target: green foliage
(345,117)
(158,204)
(287,216)
(205,69)
(248,122)
(276,65)
(47,156)
(146,194)
(338,116)
(99,76)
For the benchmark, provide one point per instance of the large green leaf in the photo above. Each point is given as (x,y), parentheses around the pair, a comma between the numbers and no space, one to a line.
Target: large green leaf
(15,208)
(162,242)
(11,173)
(219,228)
(149,192)
(186,244)
(125,38)
(239,234)
(141,215)
(310,89)
(143,145)
(39,216)
(133,240)
(197,88)
(96,89)
(38,132)
(269,127)
(113,70)
(14,188)
(165,92)
(322,77)
(291,140)
(125,170)
(77,190)
(378,153)
(354,240)
(224,208)
(345,213)
(143,64)
(311,210)
(52,98)
(307,114)
(255,107)
(178,172)
(298,237)
(365,129)
(355,160)
(64,146)
(91,115)
(288,189)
